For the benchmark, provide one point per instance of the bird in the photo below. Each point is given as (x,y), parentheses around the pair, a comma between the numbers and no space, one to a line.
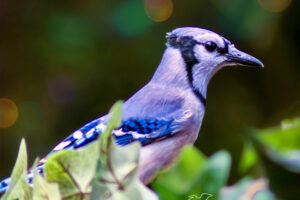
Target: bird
(166,114)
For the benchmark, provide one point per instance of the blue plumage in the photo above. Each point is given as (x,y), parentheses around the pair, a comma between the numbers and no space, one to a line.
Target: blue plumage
(89,126)
(143,126)
(142,130)
(145,130)
(124,139)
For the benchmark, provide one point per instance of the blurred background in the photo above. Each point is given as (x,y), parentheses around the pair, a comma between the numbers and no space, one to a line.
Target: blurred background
(64,63)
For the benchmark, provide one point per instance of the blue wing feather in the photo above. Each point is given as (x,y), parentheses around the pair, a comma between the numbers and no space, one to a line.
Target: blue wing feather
(143,130)
(146,130)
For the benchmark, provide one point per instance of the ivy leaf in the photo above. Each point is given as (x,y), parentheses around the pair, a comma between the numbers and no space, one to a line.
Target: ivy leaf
(18,187)
(104,168)
(116,176)
(43,190)
(114,122)
(135,190)
(73,171)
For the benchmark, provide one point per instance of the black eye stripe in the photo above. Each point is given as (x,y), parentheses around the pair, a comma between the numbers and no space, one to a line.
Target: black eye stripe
(210,46)
(219,49)
(186,46)
(178,42)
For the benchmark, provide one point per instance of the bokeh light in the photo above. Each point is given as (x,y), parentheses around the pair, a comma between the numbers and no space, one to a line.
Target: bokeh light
(275,5)
(158,10)
(61,89)
(130,19)
(243,20)
(8,113)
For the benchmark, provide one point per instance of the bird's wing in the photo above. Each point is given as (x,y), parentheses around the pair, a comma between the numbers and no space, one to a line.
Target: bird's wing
(145,131)
(134,129)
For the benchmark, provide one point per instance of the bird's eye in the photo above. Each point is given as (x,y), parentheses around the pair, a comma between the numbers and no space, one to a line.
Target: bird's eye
(210,46)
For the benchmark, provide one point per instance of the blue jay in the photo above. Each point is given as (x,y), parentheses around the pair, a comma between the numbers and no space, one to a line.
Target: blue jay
(166,114)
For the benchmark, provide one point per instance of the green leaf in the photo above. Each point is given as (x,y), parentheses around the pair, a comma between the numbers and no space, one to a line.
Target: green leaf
(73,171)
(249,158)
(280,144)
(18,187)
(115,115)
(248,188)
(278,149)
(135,190)
(180,177)
(43,190)
(123,161)
(193,176)
(104,168)
(284,138)
(214,176)
(116,177)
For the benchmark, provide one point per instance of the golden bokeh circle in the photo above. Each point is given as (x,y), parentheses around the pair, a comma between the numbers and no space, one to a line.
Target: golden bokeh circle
(158,10)
(8,113)
(275,5)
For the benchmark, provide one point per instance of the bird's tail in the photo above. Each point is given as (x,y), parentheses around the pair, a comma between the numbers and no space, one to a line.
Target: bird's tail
(4,184)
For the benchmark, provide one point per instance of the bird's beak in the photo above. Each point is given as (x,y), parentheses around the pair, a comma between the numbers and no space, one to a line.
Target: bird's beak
(237,57)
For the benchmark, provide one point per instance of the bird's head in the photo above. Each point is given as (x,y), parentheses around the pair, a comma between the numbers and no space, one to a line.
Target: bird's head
(204,53)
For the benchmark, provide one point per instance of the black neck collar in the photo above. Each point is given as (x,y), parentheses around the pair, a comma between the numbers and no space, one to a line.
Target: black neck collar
(186,46)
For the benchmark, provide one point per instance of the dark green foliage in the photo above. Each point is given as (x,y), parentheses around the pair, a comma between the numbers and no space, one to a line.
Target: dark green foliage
(279,150)
(194,174)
